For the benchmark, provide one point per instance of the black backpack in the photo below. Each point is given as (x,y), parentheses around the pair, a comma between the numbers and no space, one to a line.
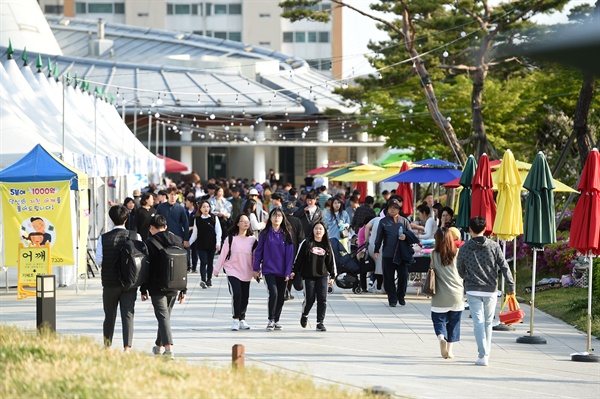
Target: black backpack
(172,269)
(134,262)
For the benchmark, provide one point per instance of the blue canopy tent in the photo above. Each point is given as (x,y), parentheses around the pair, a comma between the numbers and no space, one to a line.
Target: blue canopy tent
(41,186)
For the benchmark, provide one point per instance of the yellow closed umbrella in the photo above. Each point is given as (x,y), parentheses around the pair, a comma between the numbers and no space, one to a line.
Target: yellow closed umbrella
(509,220)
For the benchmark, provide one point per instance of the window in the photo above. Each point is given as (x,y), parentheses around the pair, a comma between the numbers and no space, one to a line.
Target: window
(300,37)
(220,35)
(323,37)
(53,9)
(314,63)
(264,15)
(325,7)
(100,8)
(119,8)
(288,37)
(169,9)
(208,9)
(194,9)
(220,9)
(235,9)
(235,36)
(80,8)
(312,37)
(264,43)
(325,65)
(209,33)
(182,9)
(143,14)
(198,32)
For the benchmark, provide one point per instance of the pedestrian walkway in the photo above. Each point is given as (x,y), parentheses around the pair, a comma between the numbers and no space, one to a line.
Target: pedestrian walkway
(366,344)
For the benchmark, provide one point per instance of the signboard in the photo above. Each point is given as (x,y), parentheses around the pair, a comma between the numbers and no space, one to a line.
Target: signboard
(33,260)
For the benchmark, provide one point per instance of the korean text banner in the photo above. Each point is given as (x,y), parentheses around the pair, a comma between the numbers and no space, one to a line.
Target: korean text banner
(36,213)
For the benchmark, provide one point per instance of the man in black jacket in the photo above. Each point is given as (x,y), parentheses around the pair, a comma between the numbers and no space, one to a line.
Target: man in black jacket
(113,294)
(162,300)
(310,214)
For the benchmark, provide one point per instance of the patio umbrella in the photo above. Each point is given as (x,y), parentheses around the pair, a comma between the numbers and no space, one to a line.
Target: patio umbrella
(464,199)
(424,175)
(539,224)
(172,165)
(405,191)
(509,219)
(482,201)
(585,233)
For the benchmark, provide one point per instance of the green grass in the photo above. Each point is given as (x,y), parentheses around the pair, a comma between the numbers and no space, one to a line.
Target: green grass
(567,304)
(52,366)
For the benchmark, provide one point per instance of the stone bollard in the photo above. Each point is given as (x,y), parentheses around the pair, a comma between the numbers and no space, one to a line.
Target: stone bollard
(238,354)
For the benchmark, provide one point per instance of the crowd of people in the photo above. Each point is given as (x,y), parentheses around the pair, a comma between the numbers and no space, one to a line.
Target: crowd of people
(296,238)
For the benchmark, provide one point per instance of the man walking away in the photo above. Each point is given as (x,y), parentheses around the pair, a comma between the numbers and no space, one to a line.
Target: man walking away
(478,262)
(113,294)
(162,299)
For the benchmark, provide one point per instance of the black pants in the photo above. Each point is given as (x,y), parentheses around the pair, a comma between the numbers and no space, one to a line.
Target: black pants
(125,300)
(207,257)
(276,286)
(240,292)
(163,305)
(192,258)
(315,288)
(394,291)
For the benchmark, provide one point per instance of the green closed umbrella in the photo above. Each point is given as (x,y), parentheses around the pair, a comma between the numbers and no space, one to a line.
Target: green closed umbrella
(464,200)
(539,225)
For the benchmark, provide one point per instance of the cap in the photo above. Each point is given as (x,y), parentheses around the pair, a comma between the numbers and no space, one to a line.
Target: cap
(253,191)
(303,192)
(136,193)
(395,203)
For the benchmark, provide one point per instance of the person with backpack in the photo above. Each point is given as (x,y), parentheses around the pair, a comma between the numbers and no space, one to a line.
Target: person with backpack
(275,255)
(315,262)
(207,237)
(236,260)
(163,297)
(113,293)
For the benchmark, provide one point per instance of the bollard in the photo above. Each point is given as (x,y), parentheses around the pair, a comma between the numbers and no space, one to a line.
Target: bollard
(237,356)
(45,289)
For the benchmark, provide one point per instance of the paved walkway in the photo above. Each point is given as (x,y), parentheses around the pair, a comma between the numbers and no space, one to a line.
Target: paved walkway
(367,343)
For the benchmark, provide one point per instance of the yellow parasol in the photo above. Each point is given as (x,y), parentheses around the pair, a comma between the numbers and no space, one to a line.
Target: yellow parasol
(509,220)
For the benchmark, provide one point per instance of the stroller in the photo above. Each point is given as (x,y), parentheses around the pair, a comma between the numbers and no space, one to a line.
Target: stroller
(352,269)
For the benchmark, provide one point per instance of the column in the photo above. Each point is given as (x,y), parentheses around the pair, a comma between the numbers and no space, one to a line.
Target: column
(259,170)
(186,150)
(323,137)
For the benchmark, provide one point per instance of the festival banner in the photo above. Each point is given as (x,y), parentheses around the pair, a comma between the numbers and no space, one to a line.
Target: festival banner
(37,213)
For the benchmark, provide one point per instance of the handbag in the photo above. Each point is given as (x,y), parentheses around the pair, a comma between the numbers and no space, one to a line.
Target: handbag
(514,314)
(429,284)
(343,233)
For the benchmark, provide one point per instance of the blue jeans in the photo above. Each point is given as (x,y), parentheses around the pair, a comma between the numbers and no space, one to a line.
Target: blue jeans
(482,311)
(447,324)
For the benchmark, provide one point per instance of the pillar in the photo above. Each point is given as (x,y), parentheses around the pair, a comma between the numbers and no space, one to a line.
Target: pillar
(259,169)
(186,150)
(322,137)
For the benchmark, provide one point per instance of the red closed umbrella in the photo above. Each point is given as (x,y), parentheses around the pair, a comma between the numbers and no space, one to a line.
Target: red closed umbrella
(405,191)
(482,202)
(585,233)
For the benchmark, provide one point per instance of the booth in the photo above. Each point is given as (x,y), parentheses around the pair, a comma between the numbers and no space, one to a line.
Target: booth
(44,200)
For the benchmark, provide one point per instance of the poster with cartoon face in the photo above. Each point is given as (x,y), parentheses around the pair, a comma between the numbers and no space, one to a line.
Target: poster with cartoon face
(37,231)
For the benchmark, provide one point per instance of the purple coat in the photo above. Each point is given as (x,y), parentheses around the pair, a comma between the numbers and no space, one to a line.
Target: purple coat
(275,254)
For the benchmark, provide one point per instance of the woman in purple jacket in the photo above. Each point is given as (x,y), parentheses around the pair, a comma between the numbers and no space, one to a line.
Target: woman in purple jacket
(275,254)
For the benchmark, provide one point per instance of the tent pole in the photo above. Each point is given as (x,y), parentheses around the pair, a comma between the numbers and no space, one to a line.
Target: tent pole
(64,80)
(149,132)
(157,136)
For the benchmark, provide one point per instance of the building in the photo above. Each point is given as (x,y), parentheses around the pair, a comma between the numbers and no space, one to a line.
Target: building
(222,107)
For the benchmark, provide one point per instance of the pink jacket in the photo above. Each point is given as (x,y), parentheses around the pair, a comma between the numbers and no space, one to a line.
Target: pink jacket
(240,262)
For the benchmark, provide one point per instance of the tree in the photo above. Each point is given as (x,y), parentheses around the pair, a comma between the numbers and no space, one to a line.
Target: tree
(472,49)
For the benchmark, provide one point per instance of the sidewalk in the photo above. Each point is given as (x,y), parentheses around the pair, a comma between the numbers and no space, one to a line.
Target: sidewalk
(367,343)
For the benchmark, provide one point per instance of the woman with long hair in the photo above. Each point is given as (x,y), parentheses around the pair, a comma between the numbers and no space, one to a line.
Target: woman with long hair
(236,259)
(274,255)
(447,303)
(315,263)
(250,211)
(337,220)
(131,223)
(206,234)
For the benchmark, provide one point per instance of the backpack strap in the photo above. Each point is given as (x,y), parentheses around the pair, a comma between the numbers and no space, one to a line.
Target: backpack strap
(229,240)
(132,235)
(156,243)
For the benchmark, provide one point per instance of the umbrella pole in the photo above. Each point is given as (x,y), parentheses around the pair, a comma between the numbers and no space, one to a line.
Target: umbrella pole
(532,339)
(515,261)
(501,326)
(587,356)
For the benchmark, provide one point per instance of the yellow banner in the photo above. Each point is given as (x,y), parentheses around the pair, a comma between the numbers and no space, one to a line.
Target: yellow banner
(33,260)
(37,213)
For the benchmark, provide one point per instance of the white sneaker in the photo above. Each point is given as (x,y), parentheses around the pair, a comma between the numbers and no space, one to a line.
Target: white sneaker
(235,325)
(244,325)
(482,361)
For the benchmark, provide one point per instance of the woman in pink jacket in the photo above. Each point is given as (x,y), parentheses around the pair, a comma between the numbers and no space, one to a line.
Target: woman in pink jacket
(236,259)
